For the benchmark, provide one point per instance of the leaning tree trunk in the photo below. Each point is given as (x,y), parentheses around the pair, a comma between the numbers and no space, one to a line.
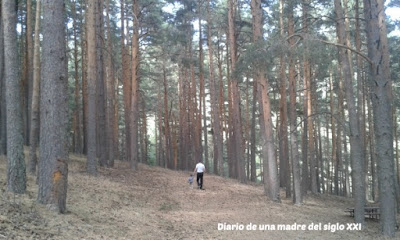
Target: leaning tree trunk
(381,94)
(34,136)
(53,164)
(16,175)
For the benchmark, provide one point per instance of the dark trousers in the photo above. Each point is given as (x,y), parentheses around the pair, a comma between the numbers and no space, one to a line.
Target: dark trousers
(200,180)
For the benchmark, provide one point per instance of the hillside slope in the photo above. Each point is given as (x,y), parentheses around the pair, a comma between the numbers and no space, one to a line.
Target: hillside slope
(156,203)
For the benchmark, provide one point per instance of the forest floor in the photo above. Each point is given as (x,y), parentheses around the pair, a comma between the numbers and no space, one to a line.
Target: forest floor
(156,203)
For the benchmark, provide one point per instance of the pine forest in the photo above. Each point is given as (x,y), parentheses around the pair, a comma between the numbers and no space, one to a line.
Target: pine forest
(111,111)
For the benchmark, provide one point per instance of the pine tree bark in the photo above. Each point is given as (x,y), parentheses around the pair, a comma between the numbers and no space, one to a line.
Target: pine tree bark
(357,156)
(16,173)
(195,112)
(360,87)
(29,66)
(221,110)
(333,136)
(127,86)
(305,154)
(34,135)
(134,111)
(110,89)
(84,66)
(294,149)
(381,95)
(285,178)
(217,136)
(3,112)
(167,131)
(76,126)
(53,164)
(92,85)
(102,146)
(183,121)
(202,112)
(230,146)
(236,116)
(143,138)
(253,168)
(272,180)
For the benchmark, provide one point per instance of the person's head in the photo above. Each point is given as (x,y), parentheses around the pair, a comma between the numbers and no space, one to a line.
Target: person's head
(191,174)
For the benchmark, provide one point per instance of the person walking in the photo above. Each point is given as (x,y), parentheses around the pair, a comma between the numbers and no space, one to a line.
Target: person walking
(199,169)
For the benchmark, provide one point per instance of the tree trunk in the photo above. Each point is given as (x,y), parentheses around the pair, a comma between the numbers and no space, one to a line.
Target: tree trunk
(285,178)
(76,126)
(360,92)
(102,147)
(356,151)
(195,112)
(294,149)
(253,166)
(29,66)
(202,91)
(3,111)
(333,131)
(34,135)
(381,94)
(272,180)
(304,141)
(91,79)
(236,116)
(183,121)
(110,89)
(167,131)
(134,111)
(127,88)
(229,129)
(16,175)
(85,95)
(217,135)
(53,164)
(143,138)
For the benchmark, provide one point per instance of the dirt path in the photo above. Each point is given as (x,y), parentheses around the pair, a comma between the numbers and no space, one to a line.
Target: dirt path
(156,203)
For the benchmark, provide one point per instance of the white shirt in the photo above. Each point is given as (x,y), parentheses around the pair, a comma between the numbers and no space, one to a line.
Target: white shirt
(200,167)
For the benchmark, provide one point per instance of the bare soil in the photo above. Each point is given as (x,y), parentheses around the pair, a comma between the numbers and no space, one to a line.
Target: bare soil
(156,203)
